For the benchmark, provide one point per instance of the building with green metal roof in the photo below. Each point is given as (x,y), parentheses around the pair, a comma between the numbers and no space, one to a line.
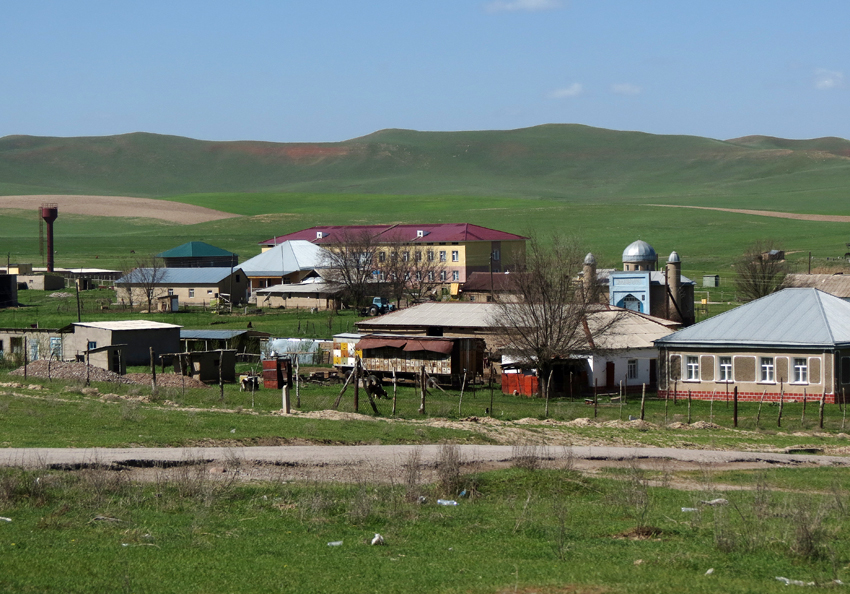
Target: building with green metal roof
(197,254)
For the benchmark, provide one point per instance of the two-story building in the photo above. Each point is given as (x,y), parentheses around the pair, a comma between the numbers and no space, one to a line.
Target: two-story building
(459,249)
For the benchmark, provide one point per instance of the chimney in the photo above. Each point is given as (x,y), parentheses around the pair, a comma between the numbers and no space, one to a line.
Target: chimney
(49,212)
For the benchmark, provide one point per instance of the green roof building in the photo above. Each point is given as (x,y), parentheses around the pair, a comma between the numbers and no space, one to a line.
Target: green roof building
(197,254)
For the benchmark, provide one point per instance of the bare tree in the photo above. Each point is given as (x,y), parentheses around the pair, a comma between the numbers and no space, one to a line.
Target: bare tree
(549,319)
(350,262)
(409,270)
(144,280)
(761,271)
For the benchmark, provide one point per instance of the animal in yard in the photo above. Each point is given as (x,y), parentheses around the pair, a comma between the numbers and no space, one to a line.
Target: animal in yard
(373,386)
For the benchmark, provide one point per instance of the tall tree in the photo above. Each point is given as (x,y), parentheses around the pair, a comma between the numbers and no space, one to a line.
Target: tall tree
(549,319)
(351,263)
(409,270)
(144,280)
(760,271)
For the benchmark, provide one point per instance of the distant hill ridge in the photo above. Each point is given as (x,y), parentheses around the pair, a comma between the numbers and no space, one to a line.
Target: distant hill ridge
(567,161)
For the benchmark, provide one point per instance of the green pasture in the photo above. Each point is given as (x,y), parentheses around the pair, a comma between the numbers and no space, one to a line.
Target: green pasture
(56,309)
(707,241)
(524,529)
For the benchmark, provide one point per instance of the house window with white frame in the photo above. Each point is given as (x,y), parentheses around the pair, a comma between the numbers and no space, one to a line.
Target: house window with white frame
(191,293)
(443,275)
(455,275)
(725,369)
(442,255)
(431,275)
(382,256)
(692,369)
(801,371)
(405,256)
(171,292)
(767,370)
(455,256)
(631,369)
(430,255)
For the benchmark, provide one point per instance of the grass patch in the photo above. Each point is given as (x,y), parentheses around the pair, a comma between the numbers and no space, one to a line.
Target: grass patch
(527,531)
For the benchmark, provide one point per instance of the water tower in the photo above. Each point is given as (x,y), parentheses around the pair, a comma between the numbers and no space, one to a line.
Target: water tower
(49,213)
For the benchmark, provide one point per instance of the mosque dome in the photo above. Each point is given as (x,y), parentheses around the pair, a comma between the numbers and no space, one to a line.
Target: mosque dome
(590,259)
(674,258)
(639,251)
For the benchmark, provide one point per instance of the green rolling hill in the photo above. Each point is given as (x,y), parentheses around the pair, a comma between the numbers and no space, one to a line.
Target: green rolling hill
(562,162)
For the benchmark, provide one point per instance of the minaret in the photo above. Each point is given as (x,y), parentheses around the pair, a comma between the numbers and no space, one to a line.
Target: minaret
(674,282)
(589,276)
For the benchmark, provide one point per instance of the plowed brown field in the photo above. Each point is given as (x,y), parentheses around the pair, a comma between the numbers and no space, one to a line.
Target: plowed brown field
(119,206)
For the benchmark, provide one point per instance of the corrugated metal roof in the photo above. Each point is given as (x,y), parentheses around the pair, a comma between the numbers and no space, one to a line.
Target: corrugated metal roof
(302,288)
(446,232)
(179,276)
(286,258)
(787,318)
(194,249)
(210,334)
(455,315)
(834,284)
(630,330)
(127,325)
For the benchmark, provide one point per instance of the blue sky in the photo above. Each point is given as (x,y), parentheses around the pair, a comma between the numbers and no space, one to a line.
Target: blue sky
(329,70)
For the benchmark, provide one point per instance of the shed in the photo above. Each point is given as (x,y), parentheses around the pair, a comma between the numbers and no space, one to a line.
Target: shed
(206,365)
(447,359)
(110,357)
(313,293)
(245,341)
(136,336)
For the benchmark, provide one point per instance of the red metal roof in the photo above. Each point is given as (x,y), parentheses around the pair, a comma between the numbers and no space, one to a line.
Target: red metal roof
(441,232)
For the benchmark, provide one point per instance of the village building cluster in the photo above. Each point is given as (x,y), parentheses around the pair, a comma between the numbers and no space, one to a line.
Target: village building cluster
(793,342)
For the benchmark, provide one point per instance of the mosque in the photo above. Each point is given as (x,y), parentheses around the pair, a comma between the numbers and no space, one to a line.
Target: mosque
(641,287)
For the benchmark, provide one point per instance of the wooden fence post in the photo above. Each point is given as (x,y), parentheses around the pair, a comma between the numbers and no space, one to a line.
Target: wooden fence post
(423,380)
(735,408)
(689,407)
(356,384)
(642,400)
(395,390)
(781,402)
(153,370)
(820,414)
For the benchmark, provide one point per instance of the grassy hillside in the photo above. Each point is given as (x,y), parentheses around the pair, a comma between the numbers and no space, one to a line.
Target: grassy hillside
(572,162)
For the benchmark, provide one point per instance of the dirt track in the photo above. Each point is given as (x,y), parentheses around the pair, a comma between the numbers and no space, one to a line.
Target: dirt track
(383,464)
(769,213)
(119,206)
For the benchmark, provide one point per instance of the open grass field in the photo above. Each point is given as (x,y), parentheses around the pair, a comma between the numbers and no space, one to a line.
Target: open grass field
(707,241)
(529,529)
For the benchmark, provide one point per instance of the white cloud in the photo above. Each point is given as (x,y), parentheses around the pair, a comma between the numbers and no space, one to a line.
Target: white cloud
(828,79)
(522,5)
(626,89)
(574,90)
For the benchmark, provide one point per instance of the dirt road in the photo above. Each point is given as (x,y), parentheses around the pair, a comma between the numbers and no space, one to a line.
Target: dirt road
(379,455)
